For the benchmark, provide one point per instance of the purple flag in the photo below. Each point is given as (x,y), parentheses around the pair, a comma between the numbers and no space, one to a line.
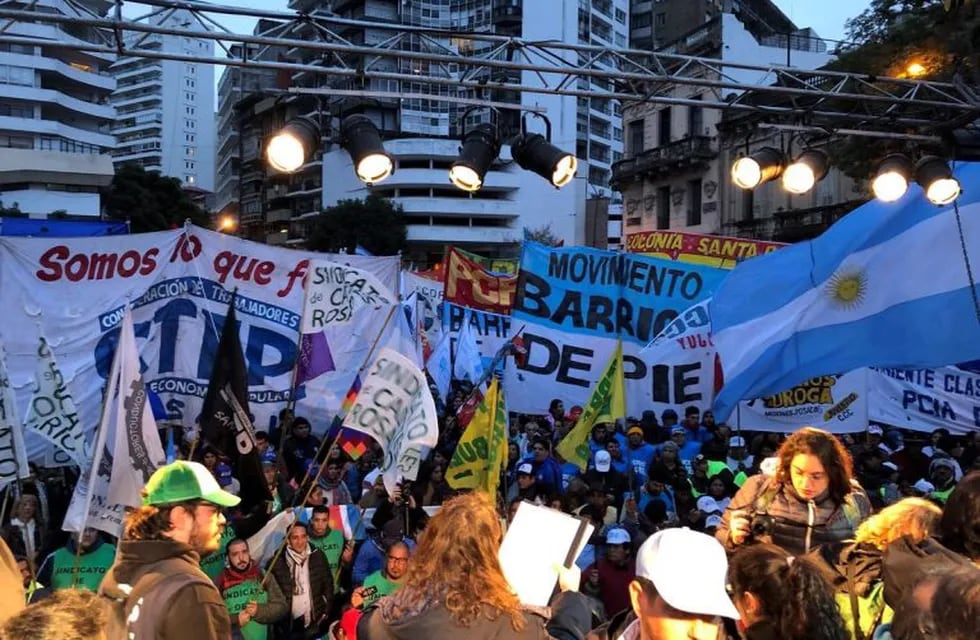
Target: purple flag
(314,357)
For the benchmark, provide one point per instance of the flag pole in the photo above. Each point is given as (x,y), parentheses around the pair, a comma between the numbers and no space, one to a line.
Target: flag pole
(332,441)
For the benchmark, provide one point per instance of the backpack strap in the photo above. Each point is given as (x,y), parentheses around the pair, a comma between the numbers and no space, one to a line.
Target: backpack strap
(160,580)
(769,492)
(855,605)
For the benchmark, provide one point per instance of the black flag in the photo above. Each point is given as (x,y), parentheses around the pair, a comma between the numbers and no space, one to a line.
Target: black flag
(225,422)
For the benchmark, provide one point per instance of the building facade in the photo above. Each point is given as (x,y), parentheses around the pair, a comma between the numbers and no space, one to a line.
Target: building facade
(55,115)
(165,108)
(676,171)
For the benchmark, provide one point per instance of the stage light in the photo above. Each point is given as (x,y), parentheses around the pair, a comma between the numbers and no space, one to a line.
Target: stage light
(362,140)
(892,178)
(479,150)
(936,179)
(289,149)
(758,168)
(808,169)
(534,152)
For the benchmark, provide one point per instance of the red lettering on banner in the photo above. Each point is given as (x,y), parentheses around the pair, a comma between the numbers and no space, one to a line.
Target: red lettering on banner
(58,263)
(243,268)
(470,285)
(298,273)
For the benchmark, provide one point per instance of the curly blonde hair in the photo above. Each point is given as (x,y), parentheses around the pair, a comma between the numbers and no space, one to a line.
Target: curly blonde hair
(456,560)
(912,517)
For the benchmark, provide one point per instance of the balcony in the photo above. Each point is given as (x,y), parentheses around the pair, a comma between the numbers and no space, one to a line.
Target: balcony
(507,15)
(693,151)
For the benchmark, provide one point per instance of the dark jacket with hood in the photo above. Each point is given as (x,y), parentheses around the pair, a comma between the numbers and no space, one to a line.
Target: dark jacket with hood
(570,620)
(321,583)
(196,610)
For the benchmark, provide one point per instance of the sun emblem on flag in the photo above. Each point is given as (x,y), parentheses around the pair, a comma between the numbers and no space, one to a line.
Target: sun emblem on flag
(847,289)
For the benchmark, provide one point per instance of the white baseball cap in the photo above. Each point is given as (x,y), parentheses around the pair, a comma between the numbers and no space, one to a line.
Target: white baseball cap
(618,535)
(736,441)
(670,557)
(875,430)
(707,504)
(602,461)
(924,486)
(526,469)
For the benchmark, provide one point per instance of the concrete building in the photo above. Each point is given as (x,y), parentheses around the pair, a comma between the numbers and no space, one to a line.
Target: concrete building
(165,108)
(676,171)
(55,115)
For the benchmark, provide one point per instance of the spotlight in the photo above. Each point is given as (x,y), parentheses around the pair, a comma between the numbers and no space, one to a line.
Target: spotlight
(535,153)
(892,178)
(936,179)
(762,166)
(289,149)
(479,150)
(808,169)
(362,140)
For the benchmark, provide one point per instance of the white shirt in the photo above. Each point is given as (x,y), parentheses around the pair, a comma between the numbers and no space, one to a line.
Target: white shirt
(27,531)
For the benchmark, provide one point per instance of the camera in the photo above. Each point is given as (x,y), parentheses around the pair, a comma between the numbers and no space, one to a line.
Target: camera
(761,525)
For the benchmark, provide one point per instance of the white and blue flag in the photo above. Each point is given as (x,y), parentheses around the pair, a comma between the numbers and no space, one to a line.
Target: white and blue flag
(887,286)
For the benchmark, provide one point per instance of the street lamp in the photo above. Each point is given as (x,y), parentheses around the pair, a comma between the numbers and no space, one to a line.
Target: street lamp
(479,149)
(227,223)
(288,150)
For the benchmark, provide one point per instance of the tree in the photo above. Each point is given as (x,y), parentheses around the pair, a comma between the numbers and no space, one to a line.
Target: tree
(11,212)
(886,40)
(149,201)
(374,223)
(542,235)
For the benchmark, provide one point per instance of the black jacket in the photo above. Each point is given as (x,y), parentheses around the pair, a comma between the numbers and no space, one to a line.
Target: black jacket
(321,583)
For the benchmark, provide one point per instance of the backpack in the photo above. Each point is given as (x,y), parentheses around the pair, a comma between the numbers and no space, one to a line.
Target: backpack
(134,617)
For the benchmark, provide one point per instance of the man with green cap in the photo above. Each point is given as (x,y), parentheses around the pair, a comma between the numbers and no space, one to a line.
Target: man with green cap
(157,588)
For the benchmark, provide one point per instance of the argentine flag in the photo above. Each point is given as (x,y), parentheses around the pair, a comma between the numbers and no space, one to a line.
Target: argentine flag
(887,285)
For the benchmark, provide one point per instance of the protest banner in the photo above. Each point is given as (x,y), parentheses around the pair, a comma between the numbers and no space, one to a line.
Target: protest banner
(576,303)
(335,290)
(52,414)
(490,330)
(482,451)
(926,399)
(698,248)
(838,404)
(179,283)
(13,456)
(470,285)
(606,402)
(499,266)
(395,407)
(428,312)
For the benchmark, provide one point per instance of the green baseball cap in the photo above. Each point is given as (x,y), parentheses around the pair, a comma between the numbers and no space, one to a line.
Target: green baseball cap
(180,481)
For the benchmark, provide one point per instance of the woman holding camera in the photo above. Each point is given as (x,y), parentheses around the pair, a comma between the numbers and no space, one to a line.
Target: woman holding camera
(810,500)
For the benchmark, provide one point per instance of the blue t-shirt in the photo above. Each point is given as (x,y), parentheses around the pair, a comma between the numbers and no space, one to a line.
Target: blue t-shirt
(640,459)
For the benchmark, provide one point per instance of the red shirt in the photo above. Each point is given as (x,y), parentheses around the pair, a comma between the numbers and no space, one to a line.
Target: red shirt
(614,585)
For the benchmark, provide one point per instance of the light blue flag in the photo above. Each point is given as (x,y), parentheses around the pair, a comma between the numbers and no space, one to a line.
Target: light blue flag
(887,286)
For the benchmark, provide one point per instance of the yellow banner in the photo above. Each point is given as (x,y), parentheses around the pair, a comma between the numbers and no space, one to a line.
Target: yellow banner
(608,399)
(482,451)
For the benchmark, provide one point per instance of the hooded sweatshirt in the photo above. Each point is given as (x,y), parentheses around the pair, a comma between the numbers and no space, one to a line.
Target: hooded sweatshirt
(195,611)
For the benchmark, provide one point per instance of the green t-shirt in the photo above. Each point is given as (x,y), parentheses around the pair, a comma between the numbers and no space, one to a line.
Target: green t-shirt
(91,567)
(213,564)
(332,546)
(237,597)
(376,587)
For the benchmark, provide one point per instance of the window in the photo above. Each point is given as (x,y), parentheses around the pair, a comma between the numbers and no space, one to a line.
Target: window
(695,119)
(694,198)
(661,19)
(635,137)
(16,142)
(190,179)
(10,74)
(664,130)
(189,151)
(663,207)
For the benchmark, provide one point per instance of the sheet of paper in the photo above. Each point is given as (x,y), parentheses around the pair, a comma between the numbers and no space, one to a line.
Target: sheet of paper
(538,541)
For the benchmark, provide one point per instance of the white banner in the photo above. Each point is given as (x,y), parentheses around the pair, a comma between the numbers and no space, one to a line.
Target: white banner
(127,447)
(491,331)
(926,399)
(395,407)
(838,404)
(429,303)
(334,291)
(13,456)
(52,414)
(179,284)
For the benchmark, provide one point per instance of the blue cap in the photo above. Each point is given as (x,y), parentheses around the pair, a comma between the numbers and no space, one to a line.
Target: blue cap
(224,474)
(269,457)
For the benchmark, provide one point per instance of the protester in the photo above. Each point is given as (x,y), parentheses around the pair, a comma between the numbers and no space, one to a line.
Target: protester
(298,448)
(69,614)
(61,569)
(328,540)
(306,581)
(455,587)
(678,592)
(385,581)
(780,597)
(33,589)
(639,453)
(335,491)
(282,494)
(811,499)
(252,603)
(25,533)
(610,577)
(156,587)
(547,471)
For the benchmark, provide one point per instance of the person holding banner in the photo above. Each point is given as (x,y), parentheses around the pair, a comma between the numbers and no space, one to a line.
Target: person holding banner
(305,578)
(82,567)
(252,603)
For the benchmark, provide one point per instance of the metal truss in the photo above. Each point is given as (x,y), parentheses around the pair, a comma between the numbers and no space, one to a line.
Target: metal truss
(316,48)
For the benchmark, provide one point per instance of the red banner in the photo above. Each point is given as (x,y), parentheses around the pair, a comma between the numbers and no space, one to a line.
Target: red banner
(698,248)
(470,285)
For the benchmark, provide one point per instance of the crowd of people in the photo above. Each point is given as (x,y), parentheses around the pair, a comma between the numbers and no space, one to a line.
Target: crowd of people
(699,533)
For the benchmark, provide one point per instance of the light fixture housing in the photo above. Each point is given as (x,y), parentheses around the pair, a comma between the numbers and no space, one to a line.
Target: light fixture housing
(290,148)
(936,179)
(809,168)
(758,168)
(480,148)
(892,178)
(534,152)
(362,140)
